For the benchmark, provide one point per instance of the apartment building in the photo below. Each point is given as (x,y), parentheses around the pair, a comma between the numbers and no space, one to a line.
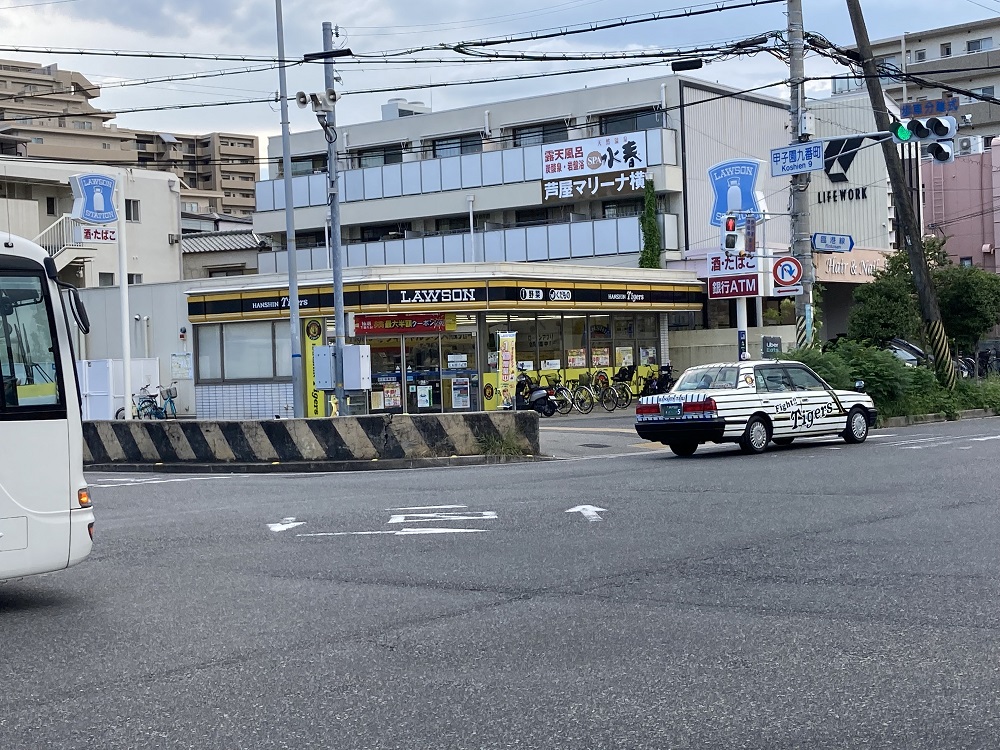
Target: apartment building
(219,168)
(966,56)
(48,112)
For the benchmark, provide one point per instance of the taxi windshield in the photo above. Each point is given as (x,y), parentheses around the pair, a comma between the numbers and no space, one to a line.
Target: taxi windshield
(708,378)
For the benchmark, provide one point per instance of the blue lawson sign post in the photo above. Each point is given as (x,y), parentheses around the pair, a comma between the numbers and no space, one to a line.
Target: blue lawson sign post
(734,183)
(797,158)
(94,202)
(832,243)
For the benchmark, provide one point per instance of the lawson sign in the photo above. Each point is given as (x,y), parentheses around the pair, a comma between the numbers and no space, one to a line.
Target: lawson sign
(93,198)
(734,183)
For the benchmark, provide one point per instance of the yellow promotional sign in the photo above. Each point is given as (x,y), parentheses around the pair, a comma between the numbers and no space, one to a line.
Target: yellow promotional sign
(315,406)
(507,366)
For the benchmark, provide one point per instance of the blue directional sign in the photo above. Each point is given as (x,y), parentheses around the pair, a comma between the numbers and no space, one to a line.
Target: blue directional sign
(832,243)
(797,158)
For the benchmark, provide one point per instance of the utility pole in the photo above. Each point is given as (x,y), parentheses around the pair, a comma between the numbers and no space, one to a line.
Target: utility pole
(298,388)
(336,252)
(907,227)
(799,197)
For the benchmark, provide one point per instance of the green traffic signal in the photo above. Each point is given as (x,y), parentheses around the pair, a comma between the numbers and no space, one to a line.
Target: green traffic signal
(901,133)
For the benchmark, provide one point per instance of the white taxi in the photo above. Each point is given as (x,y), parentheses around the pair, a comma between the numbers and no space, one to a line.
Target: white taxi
(752,404)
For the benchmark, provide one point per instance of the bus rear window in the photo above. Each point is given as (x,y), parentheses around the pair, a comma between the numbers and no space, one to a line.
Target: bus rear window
(28,355)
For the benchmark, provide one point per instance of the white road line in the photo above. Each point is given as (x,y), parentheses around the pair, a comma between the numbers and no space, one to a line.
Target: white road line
(485,515)
(925,445)
(984,439)
(138,482)
(401,532)
(431,507)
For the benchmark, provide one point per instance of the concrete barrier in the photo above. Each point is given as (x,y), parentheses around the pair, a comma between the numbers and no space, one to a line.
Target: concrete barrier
(383,437)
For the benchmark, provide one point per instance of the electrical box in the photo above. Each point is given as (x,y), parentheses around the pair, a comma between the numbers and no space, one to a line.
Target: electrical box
(807,123)
(357,367)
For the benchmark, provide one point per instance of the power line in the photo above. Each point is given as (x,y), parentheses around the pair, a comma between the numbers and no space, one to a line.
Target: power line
(585,28)
(138,53)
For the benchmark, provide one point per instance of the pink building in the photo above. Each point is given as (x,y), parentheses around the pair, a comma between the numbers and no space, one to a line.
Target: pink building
(961,204)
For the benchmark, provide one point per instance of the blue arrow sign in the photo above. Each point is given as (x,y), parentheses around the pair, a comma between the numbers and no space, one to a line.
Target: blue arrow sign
(832,243)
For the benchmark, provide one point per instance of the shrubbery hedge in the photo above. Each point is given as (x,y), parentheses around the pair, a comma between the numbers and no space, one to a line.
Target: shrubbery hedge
(896,389)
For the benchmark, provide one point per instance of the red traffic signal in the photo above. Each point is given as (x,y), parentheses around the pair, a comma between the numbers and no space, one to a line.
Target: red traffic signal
(730,223)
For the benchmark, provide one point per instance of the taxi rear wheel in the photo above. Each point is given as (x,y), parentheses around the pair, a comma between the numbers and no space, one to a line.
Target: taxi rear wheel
(684,449)
(857,426)
(757,435)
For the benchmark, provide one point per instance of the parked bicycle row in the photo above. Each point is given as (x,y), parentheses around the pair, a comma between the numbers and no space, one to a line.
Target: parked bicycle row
(548,395)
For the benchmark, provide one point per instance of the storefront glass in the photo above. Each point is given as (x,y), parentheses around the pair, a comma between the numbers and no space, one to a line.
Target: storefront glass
(600,341)
(423,373)
(550,348)
(525,346)
(459,374)
(387,376)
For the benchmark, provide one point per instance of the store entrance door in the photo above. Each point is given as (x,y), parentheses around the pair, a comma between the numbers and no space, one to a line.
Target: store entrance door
(459,372)
(422,355)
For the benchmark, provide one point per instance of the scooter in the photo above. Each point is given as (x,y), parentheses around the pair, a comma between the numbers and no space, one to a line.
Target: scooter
(530,395)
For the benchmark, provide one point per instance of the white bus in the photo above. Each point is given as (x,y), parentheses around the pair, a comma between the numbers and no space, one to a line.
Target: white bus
(46,520)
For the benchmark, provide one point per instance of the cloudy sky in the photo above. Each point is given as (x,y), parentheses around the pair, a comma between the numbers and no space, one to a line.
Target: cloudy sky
(247,27)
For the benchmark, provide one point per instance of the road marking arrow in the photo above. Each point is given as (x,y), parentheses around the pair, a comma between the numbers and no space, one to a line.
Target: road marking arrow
(590,512)
(285,524)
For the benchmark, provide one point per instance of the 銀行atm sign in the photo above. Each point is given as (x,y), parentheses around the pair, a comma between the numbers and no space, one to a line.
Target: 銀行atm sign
(731,275)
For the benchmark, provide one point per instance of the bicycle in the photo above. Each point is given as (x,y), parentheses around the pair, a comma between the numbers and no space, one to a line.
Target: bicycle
(583,396)
(562,394)
(621,384)
(145,405)
(604,392)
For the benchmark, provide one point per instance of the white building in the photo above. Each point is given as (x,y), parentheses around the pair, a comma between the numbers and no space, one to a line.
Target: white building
(37,203)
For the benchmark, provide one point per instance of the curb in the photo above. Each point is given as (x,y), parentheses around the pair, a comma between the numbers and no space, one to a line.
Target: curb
(313,466)
(892,422)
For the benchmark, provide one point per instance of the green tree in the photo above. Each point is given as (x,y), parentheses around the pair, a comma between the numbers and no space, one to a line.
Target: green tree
(969,299)
(884,309)
(650,226)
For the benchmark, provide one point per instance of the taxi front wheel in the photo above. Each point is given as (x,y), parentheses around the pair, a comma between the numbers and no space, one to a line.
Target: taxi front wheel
(857,426)
(757,435)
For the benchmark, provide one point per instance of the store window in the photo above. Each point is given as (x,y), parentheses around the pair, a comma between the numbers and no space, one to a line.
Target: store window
(599,328)
(575,341)
(525,345)
(387,377)
(208,342)
(550,343)
(624,334)
(247,352)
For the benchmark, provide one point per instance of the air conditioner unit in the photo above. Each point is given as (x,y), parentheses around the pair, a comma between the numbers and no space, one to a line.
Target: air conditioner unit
(968,144)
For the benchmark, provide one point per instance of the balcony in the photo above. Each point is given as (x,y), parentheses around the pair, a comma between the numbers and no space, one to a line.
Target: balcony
(570,241)
(490,168)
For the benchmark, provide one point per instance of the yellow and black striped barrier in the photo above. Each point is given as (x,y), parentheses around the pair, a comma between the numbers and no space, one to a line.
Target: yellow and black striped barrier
(366,438)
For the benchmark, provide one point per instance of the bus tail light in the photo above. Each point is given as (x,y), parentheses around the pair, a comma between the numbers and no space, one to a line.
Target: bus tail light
(83,497)
(647,409)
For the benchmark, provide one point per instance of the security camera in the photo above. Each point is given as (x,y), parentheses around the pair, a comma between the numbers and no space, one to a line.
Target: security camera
(967,119)
(135,317)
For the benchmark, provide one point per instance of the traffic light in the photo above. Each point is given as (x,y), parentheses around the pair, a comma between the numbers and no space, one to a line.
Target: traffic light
(734,240)
(936,133)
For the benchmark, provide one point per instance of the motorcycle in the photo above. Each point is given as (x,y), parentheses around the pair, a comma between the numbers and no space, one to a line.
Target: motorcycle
(530,395)
(659,383)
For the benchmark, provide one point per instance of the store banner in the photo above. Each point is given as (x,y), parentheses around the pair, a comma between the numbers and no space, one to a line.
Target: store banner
(506,366)
(314,329)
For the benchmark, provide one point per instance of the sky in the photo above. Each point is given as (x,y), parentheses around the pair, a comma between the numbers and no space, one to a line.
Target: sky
(248,28)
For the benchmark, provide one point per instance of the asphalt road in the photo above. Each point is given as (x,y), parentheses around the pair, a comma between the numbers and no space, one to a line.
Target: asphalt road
(817,596)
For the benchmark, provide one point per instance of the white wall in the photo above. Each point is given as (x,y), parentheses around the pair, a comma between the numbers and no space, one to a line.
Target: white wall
(166,307)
